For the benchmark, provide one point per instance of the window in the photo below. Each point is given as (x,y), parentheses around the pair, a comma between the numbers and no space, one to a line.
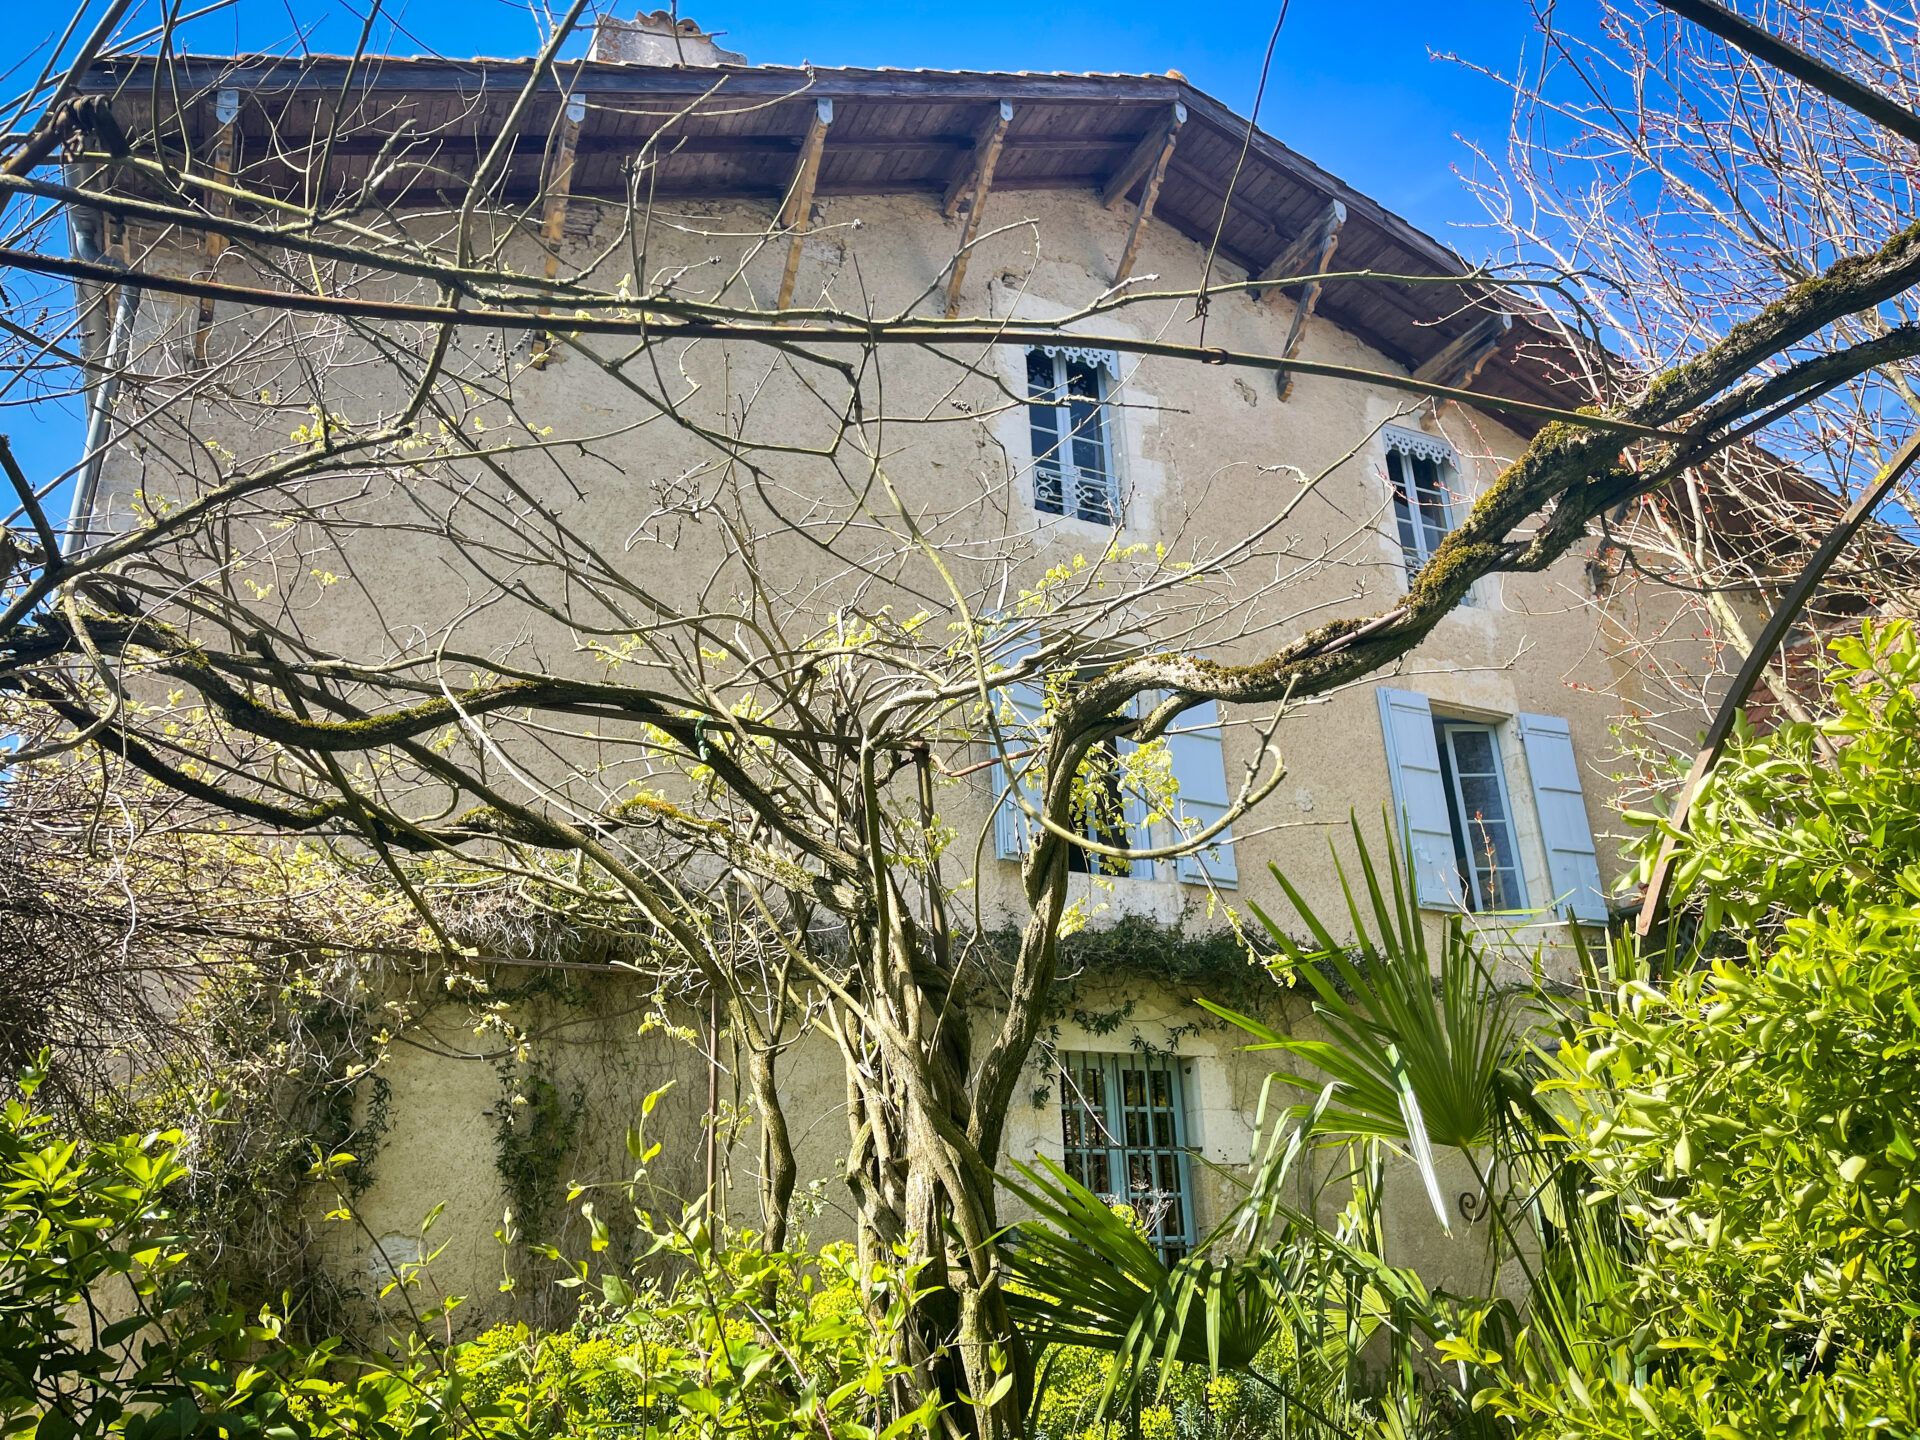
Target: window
(1487,860)
(1106,810)
(1104,813)
(1068,390)
(1124,1127)
(1451,792)
(1424,477)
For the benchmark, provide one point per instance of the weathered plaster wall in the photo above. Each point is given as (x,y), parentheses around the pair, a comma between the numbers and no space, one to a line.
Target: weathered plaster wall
(1206,452)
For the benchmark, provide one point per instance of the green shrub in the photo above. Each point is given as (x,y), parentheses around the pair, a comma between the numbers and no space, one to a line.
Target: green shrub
(104,1330)
(1192,1407)
(709,1333)
(1753,1125)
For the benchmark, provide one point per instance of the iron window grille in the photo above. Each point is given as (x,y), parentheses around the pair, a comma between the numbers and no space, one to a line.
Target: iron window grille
(1124,1127)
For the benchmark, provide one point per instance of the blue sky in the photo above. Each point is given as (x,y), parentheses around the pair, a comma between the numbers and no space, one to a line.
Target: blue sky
(1354,86)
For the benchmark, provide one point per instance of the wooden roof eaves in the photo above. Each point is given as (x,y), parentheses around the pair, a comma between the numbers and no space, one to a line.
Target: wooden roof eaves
(608,81)
(469,78)
(613,80)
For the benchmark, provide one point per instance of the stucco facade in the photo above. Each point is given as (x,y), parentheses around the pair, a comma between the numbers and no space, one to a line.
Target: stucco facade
(1201,454)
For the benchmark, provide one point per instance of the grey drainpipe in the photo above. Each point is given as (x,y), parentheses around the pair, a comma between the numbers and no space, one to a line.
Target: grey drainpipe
(86,231)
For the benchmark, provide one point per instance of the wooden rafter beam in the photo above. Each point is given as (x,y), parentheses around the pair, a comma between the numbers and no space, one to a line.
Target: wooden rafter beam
(796,213)
(1464,358)
(226,115)
(1306,254)
(1310,253)
(1156,173)
(553,218)
(982,156)
(1147,154)
(972,184)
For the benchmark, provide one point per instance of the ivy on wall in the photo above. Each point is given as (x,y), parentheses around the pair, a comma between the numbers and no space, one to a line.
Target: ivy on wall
(281,1074)
(535,1126)
(1223,963)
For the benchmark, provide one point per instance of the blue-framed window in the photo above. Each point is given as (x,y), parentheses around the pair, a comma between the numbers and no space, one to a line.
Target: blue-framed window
(1106,810)
(1123,1121)
(1105,814)
(1451,792)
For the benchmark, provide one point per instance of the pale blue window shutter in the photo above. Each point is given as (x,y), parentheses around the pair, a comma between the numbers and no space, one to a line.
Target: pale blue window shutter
(1573,867)
(1420,796)
(1018,709)
(1200,770)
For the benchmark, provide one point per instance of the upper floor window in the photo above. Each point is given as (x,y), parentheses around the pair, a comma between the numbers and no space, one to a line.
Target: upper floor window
(1068,396)
(1104,812)
(1484,852)
(1108,808)
(1450,789)
(1105,809)
(1424,476)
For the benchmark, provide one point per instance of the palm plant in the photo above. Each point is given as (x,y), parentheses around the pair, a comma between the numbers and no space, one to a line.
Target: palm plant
(1423,1048)
(1422,1052)
(1084,1276)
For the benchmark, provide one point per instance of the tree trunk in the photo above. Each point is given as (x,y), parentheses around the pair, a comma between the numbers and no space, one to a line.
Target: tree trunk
(778,1172)
(925,1196)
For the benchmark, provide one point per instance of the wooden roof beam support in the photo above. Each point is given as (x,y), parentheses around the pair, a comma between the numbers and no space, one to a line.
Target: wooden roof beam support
(972,184)
(553,217)
(1147,154)
(1156,173)
(1388,295)
(226,115)
(1465,357)
(1311,253)
(982,156)
(796,212)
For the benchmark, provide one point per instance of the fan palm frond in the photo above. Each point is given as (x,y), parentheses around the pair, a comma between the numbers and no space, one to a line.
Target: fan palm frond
(1422,1049)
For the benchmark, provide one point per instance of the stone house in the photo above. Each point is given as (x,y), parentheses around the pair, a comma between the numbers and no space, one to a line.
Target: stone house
(1030,197)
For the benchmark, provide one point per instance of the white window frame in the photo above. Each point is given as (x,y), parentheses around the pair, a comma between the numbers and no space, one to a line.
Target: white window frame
(1404,498)
(1445,728)
(1061,487)
(1118,1148)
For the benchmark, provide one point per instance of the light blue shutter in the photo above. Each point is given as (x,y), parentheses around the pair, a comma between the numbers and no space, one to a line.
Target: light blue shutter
(1572,866)
(1420,796)
(1018,710)
(1200,770)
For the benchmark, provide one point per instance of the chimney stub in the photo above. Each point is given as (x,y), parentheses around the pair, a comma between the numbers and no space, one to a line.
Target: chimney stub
(657,39)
